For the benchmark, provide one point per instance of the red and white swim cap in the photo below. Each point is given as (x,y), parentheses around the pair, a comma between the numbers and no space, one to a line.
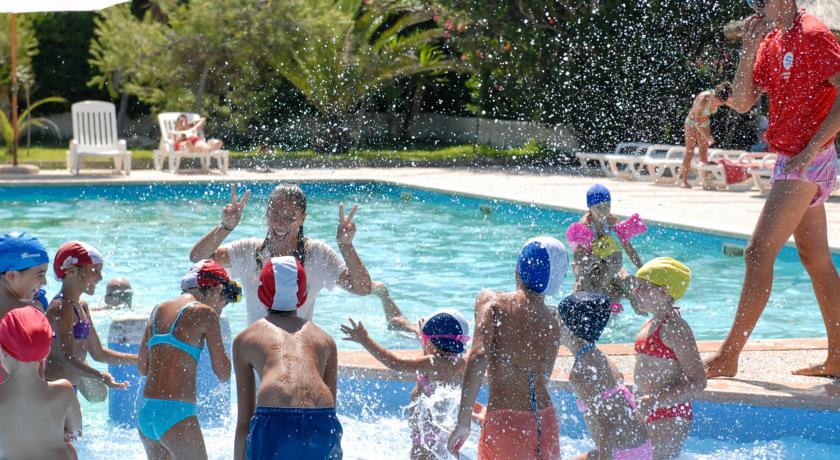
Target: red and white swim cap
(282,284)
(204,273)
(74,254)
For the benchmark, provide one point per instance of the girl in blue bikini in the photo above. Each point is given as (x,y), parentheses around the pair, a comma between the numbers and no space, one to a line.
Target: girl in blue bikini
(169,354)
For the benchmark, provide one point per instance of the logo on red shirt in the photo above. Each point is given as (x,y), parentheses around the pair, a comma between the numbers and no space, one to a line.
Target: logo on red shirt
(787,63)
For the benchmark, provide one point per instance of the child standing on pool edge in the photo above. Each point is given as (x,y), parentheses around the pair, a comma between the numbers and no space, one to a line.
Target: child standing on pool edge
(669,371)
(292,413)
(597,262)
(443,337)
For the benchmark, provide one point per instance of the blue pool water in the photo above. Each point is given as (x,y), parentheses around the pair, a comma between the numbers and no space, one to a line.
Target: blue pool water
(433,250)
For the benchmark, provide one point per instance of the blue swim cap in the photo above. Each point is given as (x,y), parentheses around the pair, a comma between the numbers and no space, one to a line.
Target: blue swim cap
(20,250)
(542,265)
(585,314)
(597,194)
(448,330)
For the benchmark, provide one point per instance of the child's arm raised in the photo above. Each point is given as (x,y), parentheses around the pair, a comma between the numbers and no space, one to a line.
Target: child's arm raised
(245,395)
(677,335)
(356,332)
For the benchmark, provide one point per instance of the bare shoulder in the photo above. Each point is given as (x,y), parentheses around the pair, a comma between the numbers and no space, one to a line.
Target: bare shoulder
(677,332)
(314,331)
(61,390)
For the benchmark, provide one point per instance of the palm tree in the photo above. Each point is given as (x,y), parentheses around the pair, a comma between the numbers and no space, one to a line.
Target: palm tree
(25,120)
(338,51)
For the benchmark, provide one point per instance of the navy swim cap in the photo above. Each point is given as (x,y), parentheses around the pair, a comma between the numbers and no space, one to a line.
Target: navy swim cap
(597,194)
(20,250)
(542,265)
(448,330)
(585,314)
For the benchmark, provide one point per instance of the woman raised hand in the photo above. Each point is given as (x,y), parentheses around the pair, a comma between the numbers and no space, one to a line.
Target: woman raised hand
(232,212)
(346,228)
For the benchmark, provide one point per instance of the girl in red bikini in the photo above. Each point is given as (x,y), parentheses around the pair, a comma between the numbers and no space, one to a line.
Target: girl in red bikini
(669,372)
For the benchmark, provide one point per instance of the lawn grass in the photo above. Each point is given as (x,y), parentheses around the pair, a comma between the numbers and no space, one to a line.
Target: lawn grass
(55,157)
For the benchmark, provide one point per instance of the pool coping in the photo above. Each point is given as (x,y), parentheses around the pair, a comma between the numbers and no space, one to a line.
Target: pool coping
(767,387)
(212,179)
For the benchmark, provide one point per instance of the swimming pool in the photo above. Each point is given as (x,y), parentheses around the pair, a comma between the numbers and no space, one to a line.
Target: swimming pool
(432,249)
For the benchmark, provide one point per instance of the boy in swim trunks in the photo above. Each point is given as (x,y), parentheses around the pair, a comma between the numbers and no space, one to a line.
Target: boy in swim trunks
(296,363)
(668,372)
(37,419)
(79,268)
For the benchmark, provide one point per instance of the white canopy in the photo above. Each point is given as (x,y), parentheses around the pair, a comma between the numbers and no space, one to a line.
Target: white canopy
(41,6)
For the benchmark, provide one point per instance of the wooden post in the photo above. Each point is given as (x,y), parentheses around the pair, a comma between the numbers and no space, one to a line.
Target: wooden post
(13,43)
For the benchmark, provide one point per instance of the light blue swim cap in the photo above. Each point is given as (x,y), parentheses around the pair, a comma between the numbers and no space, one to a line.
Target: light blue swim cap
(542,265)
(20,250)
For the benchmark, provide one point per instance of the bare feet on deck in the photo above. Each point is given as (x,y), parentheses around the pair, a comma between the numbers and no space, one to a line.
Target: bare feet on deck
(831,370)
(721,365)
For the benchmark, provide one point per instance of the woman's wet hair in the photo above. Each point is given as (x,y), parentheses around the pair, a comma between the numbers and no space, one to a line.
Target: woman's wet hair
(723,91)
(294,194)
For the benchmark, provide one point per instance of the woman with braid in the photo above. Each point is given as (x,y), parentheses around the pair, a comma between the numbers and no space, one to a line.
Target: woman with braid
(285,215)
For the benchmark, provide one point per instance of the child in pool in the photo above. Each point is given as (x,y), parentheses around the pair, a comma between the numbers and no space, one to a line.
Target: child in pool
(79,268)
(597,262)
(443,337)
(669,372)
(607,405)
(297,363)
(37,419)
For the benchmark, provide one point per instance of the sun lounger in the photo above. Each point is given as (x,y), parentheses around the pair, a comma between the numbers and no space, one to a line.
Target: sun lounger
(600,160)
(762,171)
(166,121)
(666,170)
(631,166)
(713,173)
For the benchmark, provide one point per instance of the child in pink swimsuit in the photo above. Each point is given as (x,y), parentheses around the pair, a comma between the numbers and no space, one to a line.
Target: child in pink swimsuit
(444,337)
(608,406)
(668,372)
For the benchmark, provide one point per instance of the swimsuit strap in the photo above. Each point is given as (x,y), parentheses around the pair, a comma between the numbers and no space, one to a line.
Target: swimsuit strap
(532,389)
(180,312)
(667,317)
(583,350)
(620,388)
(154,319)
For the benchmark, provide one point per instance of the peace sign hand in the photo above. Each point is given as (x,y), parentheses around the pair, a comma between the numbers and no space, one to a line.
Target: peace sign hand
(346,227)
(232,212)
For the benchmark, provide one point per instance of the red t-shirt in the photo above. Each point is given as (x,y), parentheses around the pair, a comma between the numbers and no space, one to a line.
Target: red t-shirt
(794,69)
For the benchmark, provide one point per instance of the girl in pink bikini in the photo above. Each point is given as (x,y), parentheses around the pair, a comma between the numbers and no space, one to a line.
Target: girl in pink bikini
(444,338)
(608,407)
(669,372)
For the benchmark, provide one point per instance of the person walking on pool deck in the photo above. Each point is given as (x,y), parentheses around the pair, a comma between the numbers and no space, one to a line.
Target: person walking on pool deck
(297,364)
(37,419)
(169,353)
(79,268)
(285,215)
(697,125)
(793,57)
(515,339)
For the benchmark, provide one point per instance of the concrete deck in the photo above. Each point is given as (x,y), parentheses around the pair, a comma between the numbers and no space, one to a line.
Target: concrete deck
(764,377)
(726,213)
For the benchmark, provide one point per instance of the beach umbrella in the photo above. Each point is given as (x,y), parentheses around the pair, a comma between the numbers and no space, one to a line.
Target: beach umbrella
(827,11)
(16,7)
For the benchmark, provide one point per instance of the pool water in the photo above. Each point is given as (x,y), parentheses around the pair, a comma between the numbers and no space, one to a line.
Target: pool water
(433,250)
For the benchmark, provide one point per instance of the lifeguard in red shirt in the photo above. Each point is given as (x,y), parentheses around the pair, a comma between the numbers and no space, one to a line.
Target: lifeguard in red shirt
(794,58)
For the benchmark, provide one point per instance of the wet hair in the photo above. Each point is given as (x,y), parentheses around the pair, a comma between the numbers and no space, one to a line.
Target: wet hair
(293,193)
(723,91)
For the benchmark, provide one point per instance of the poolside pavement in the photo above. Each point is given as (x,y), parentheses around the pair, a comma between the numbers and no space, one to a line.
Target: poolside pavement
(764,377)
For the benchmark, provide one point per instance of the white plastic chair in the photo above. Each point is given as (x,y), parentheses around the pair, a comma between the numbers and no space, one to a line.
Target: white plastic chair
(631,166)
(95,135)
(666,170)
(166,148)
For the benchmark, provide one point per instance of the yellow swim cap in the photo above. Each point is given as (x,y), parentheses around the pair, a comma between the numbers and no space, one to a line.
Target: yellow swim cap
(605,246)
(668,272)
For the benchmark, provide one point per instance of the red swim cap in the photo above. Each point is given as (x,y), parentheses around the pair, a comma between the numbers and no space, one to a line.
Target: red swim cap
(204,273)
(25,334)
(282,284)
(74,254)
